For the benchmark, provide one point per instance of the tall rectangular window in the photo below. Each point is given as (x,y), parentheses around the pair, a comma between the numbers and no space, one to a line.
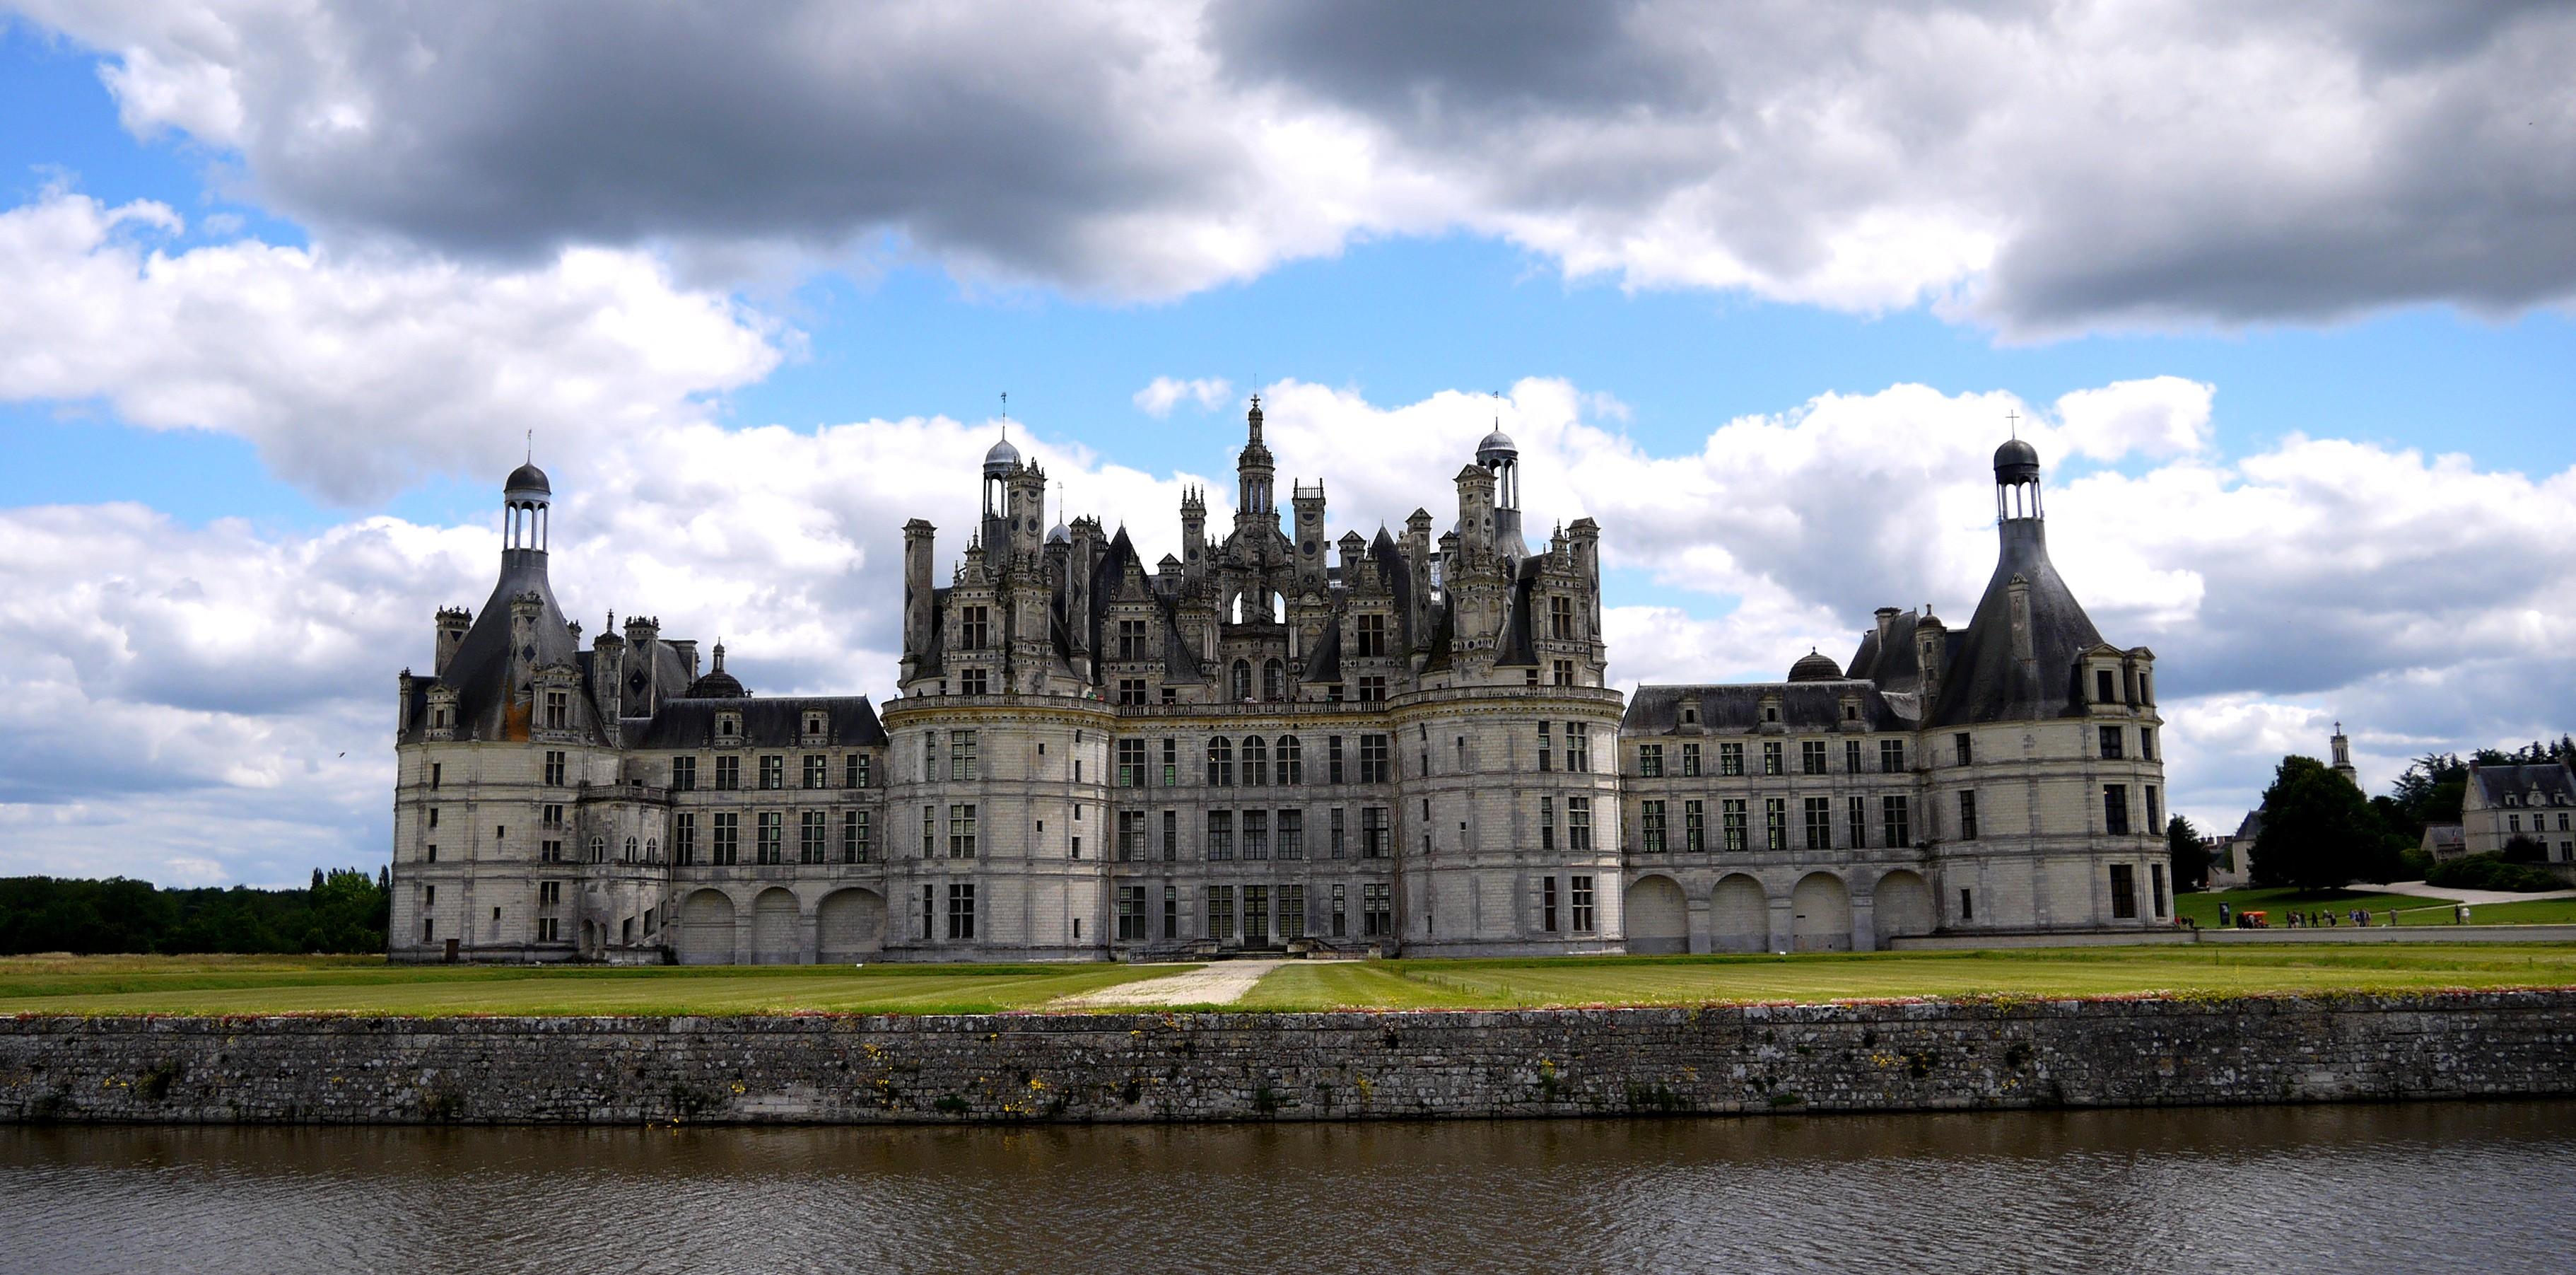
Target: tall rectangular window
(684,774)
(961,755)
(1546,758)
(1374,832)
(1220,762)
(2110,743)
(1959,743)
(1256,915)
(1333,759)
(2124,892)
(1372,689)
(2146,743)
(772,824)
(1560,618)
(2156,880)
(1775,823)
(1858,822)
(1256,835)
(1819,813)
(812,837)
(1547,904)
(1220,912)
(975,628)
(1131,835)
(1373,760)
(1732,813)
(727,846)
(1131,913)
(1339,835)
(1772,758)
(1171,836)
(1546,823)
(1578,827)
(1851,756)
(974,681)
(773,772)
(1694,827)
(1578,748)
(1650,761)
(2156,812)
(558,710)
(854,836)
(1171,763)
(1131,640)
(1730,759)
(1341,904)
(1893,814)
(1372,635)
(2115,809)
(1171,911)
(929,831)
(2105,691)
(961,831)
(818,771)
(854,771)
(1891,756)
(1811,756)
(1651,817)
(1220,835)
(1292,911)
(728,774)
(554,768)
(684,837)
(1290,754)
(1690,761)
(1967,816)
(1131,763)
(1377,909)
(961,911)
(1578,901)
(1292,834)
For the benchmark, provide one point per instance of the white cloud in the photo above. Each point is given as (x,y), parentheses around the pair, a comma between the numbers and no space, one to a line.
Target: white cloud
(2046,168)
(354,374)
(1158,399)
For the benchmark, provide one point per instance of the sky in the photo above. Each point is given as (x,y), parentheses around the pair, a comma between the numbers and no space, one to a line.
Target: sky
(2281,293)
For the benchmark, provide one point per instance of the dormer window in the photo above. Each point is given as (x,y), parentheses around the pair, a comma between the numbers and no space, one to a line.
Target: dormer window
(815,724)
(2105,687)
(2511,800)
(1690,716)
(1770,712)
(728,725)
(1851,712)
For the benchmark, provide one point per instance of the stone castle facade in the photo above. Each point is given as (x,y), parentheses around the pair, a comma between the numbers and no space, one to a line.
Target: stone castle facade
(1272,740)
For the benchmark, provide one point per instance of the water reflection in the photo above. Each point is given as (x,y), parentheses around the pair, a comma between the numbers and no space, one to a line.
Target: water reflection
(2424,1187)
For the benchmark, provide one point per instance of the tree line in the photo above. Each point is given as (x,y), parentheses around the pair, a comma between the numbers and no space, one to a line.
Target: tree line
(2320,832)
(344,910)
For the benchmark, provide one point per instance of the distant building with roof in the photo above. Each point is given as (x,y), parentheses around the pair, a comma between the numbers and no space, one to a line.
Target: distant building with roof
(1270,741)
(2444,841)
(2529,799)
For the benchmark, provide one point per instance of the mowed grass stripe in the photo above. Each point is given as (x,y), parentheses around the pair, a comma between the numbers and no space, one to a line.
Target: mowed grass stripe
(1823,977)
(329,987)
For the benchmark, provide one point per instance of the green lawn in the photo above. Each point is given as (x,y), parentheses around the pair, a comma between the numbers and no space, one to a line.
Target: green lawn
(366,985)
(2521,912)
(2203,906)
(1873,975)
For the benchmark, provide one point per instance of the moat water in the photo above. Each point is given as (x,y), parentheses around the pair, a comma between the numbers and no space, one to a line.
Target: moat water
(2471,1187)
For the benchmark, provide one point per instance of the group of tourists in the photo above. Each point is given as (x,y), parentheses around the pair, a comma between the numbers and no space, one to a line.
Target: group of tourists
(2251,920)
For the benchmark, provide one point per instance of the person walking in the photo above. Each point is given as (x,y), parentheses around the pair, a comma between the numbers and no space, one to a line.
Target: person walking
(2222,913)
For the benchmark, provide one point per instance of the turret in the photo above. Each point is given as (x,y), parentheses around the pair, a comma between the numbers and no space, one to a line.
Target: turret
(1193,529)
(918,590)
(1476,513)
(526,498)
(1310,536)
(999,461)
(1497,456)
(452,624)
(1253,471)
(525,610)
(2342,749)
(608,657)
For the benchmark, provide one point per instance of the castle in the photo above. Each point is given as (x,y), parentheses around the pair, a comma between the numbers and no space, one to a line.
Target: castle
(1273,740)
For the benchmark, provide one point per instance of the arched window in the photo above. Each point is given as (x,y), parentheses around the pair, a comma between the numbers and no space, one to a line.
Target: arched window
(599,849)
(652,850)
(1256,760)
(1220,770)
(630,849)
(1274,681)
(1242,679)
(1291,760)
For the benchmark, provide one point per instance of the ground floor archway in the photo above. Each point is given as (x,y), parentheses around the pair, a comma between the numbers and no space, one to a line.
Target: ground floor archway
(849,926)
(1820,914)
(1901,905)
(1739,915)
(706,929)
(1658,917)
(773,928)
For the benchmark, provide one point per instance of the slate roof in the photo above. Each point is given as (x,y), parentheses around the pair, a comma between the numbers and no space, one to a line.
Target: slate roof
(2552,780)
(770,721)
(1984,682)
(1804,706)
(480,670)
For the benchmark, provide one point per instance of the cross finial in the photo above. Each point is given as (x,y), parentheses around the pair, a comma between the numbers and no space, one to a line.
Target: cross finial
(1256,398)
(532,447)
(2013,420)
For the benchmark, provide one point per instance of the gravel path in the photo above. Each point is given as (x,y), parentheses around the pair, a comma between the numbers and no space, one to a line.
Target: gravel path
(2423,891)
(1221,983)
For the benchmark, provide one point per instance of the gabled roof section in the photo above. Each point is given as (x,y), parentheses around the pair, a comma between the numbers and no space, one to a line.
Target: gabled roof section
(1737,708)
(480,670)
(768,721)
(2520,781)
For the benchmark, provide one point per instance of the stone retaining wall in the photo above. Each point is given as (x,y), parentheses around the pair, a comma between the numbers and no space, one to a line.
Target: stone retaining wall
(1142,1067)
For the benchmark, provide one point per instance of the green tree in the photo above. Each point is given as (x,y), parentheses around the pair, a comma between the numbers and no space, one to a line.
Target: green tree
(2189,853)
(2318,833)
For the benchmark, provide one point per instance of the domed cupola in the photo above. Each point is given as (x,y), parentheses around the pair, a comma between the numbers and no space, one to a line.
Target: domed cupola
(717,684)
(1815,666)
(2016,461)
(1001,459)
(526,480)
(1496,448)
